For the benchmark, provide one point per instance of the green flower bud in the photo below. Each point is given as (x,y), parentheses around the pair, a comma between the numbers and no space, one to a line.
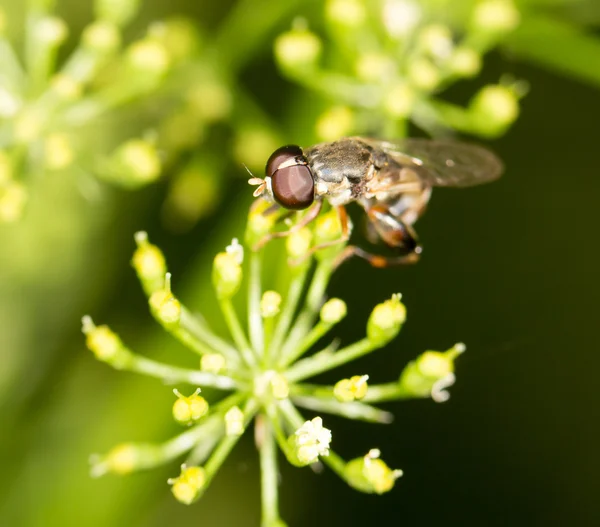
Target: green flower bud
(105,344)
(269,304)
(386,321)
(436,40)
(495,16)
(212,363)
(423,74)
(58,152)
(259,224)
(178,35)
(327,229)
(102,36)
(51,30)
(375,67)
(347,13)
(189,485)
(133,164)
(370,474)
(335,123)
(188,410)
(298,243)
(399,100)
(66,87)
(148,56)
(149,263)
(227,270)
(298,48)
(125,458)
(352,389)
(333,311)
(465,62)
(234,422)
(431,373)
(165,307)
(493,109)
(211,100)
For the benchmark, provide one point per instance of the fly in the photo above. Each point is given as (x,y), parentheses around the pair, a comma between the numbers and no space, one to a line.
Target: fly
(390,180)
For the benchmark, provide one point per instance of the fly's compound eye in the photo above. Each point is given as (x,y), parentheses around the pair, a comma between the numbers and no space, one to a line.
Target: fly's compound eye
(291,179)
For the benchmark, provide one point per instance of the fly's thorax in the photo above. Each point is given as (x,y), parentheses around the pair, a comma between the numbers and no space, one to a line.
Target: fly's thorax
(340,169)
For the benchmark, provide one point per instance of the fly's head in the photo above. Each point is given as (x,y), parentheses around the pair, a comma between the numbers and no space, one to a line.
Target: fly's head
(288,181)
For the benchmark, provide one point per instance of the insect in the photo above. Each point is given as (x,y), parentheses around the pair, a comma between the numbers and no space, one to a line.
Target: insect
(390,180)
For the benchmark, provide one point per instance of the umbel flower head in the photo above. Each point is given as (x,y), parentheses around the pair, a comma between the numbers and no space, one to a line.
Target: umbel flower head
(263,369)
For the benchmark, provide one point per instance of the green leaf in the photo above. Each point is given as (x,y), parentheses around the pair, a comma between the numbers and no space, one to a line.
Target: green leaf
(558,46)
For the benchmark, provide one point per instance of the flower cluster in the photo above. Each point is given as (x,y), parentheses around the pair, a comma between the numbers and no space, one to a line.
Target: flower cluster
(120,110)
(265,367)
(386,61)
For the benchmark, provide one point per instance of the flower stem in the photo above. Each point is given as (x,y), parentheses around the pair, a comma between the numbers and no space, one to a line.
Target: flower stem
(349,410)
(255,322)
(391,391)
(313,301)
(235,328)
(200,331)
(289,309)
(227,443)
(269,473)
(321,363)
(172,374)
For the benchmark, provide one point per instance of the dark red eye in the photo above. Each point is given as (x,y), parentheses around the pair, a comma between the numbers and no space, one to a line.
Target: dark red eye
(293,187)
(286,154)
(291,179)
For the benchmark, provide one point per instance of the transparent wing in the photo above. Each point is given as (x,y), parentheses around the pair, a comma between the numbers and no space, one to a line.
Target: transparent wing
(443,163)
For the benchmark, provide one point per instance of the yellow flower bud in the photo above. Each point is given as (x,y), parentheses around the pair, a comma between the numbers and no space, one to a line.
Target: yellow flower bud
(333,311)
(149,262)
(386,320)
(189,485)
(188,410)
(298,48)
(352,389)
(335,123)
(269,304)
(234,422)
(370,474)
(212,363)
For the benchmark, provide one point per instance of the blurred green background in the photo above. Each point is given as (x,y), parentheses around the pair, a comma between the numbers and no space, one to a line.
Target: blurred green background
(507,268)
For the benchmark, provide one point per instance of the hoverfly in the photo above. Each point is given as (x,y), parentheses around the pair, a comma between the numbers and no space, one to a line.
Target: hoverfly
(390,180)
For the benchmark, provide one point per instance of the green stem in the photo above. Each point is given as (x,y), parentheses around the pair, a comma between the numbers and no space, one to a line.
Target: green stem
(204,447)
(255,322)
(235,328)
(392,391)
(227,443)
(287,313)
(269,473)
(349,410)
(320,363)
(307,342)
(312,304)
(173,374)
(202,332)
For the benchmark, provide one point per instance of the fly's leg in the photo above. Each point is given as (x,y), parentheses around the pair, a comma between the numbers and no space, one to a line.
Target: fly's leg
(395,233)
(310,215)
(345,236)
(377,260)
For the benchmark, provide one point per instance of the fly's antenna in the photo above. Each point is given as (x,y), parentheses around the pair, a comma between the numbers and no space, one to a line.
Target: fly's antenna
(262,184)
